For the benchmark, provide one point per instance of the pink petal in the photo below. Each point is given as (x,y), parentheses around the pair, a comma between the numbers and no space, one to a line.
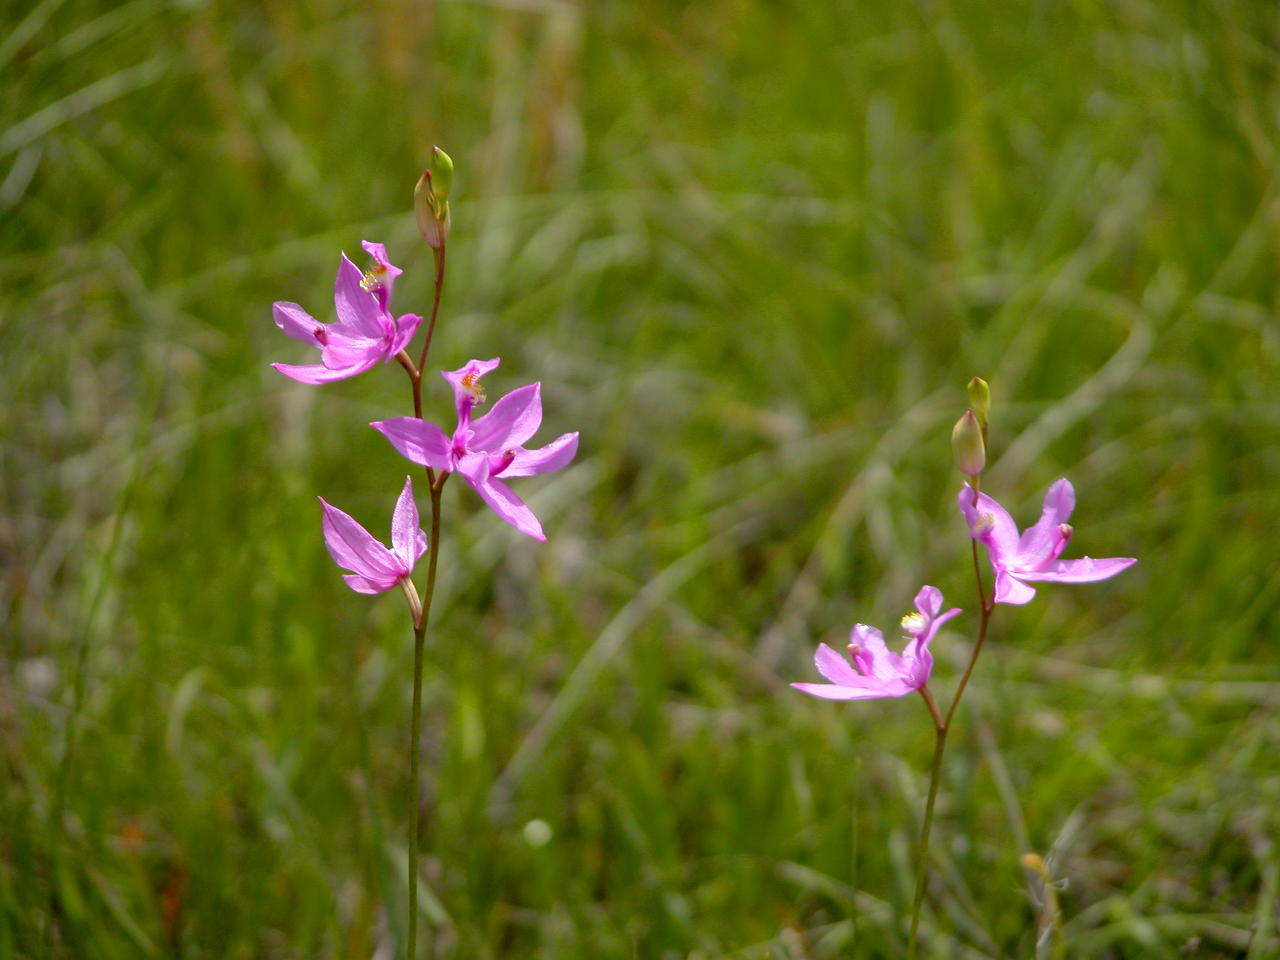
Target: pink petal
(418,441)
(872,656)
(353,548)
(556,454)
(316,373)
(1009,590)
(475,468)
(513,420)
(870,691)
(1039,542)
(990,524)
(379,254)
(475,369)
(929,601)
(364,585)
(405,532)
(344,353)
(296,322)
(406,327)
(1084,570)
(835,667)
(356,307)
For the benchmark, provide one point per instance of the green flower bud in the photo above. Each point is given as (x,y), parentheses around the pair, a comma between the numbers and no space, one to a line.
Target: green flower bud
(967,446)
(980,399)
(441,174)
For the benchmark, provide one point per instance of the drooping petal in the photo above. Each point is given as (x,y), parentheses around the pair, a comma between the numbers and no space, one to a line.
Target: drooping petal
(297,323)
(317,373)
(1009,590)
(366,585)
(991,525)
(356,307)
(556,454)
(406,327)
(475,468)
(354,548)
(405,532)
(417,440)
(1039,542)
(512,420)
(835,667)
(1084,570)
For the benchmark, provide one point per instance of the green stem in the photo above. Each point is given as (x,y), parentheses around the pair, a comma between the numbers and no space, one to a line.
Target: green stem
(419,643)
(941,726)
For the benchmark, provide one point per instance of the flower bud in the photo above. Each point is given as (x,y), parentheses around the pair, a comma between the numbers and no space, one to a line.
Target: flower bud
(431,211)
(980,399)
(441,174)
(966,443)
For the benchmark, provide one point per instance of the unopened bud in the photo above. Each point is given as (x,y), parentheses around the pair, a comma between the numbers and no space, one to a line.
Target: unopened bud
(441,174)
(980,399)
(966,443)
(431,211)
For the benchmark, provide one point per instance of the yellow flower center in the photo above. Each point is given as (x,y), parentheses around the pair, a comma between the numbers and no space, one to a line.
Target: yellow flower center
(471,384)
(913,623)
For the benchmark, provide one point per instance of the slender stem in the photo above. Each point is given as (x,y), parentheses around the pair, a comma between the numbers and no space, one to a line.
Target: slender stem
(415,380)
(941,726)
(435,306)
(922,854)
(419,642)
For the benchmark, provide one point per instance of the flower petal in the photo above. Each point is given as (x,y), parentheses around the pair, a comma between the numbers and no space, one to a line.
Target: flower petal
(869,690)
(296,322)
(871,655)
(418,441)
(354,548)
(1039,542)
(365,585)
(475,468)
(1009,590)
(513,420)
(405,532)
(464,395)
(835,667)
(356,307)
(556,454)
(929,601)
(316,373)
(406,327)
(1084,570)
(389,270)
(991,525)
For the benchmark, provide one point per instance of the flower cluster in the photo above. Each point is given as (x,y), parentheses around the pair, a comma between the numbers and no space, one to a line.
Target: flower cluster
(486,451)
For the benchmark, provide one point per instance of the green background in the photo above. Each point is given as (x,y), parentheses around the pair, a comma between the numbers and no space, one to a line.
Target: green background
(752,251)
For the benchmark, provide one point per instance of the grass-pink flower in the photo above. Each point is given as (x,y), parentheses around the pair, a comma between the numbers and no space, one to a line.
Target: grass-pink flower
(488,450)
(374,567)
(880,672)
(1032,556)
(365,332)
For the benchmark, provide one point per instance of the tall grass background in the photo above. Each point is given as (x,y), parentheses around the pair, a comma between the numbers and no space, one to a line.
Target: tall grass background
(753,251)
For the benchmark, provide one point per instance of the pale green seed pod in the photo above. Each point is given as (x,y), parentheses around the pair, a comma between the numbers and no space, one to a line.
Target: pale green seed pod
(967,445)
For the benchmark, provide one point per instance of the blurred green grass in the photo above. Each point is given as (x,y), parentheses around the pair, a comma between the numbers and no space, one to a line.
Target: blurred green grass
(753,251)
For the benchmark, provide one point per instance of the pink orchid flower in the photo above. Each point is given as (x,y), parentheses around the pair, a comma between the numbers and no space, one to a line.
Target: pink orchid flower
(375,568)
(881,673)
(1033,555)
(365,332)
(488,450)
